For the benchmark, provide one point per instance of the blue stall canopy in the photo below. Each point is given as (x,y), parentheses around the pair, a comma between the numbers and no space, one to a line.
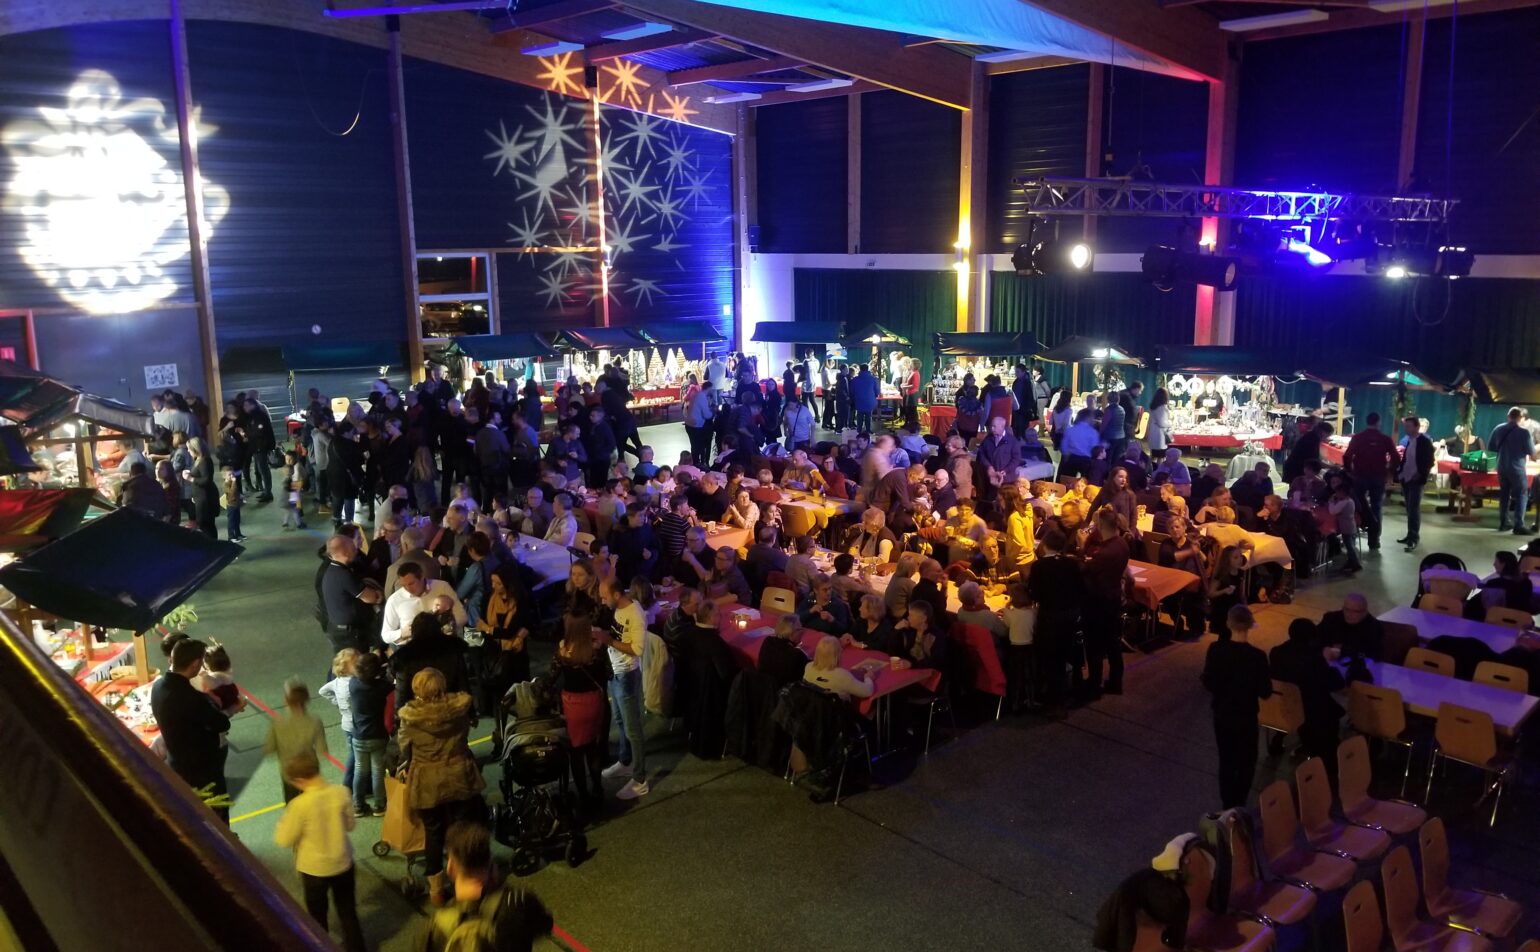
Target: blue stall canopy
(676,333)
(344,355)
(597,338)
(799,332)
(953,344)
(486,347)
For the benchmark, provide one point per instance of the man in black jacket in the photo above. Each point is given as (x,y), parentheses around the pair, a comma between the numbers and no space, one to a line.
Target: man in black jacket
(190,725)
(259,430)
(1304,663)
(1416,465)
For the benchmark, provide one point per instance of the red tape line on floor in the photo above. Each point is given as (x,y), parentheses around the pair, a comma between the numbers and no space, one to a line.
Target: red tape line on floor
(269,712)
(567,939)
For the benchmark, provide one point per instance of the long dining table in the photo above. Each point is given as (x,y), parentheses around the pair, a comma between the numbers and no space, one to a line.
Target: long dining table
(1423,691)
(1431,625)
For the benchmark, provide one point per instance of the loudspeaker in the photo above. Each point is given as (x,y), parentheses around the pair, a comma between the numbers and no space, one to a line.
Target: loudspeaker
(591,77)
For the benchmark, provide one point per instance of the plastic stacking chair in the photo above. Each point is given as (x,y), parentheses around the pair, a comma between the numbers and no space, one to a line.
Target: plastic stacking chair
(1468,737)
(1361,917)
(1529,563)
(1284,712)
(1358,843)
(1442,604)
(778,600)
(1396,640)
(1510,617)
(776,579)
(1485,913)
(1212,932)
(1380,713)
(932,701)
(1505,676)
(1453,588)
(1312,869)
(1435,662)
(1408,932)
(1274,902)
(1396,817)
(583,542)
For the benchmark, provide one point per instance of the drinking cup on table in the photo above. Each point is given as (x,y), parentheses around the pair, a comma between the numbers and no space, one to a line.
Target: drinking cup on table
(896,663)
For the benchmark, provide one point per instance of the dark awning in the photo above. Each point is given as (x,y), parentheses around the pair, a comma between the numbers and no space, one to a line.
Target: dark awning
(953,344)
(1073,350)
(124,570)
(876,335)
(799,332)
(1235,361)
(344,355)
(675,333)
(34,517)
(1513,387)
(89,408)
(1354,371)
(597,338)
(500,346)
(14,455)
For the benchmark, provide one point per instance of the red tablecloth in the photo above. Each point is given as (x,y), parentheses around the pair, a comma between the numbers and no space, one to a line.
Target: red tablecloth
(942,417)
(1332,453)
(1222,440)
(1154,584)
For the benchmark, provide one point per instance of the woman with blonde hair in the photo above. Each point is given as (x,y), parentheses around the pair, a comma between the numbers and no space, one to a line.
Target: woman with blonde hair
(825,671)
(443,783)
(581,595)
(205,490)
(424,479)
(896,598)
(581,672)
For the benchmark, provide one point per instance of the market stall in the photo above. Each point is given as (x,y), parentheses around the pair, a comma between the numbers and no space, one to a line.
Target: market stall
(89,598)
(1104,357)
(980,354)
(1225,398)
(657,371)
(73,438)
(876,337)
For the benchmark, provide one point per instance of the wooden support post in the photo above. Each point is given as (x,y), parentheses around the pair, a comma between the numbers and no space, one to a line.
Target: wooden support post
(1095,104)
(1411,101)
(141,656)
(602,260)
(192,185)
(398,136)
(972,257)
(1214,322)
(853,175)
(745,215)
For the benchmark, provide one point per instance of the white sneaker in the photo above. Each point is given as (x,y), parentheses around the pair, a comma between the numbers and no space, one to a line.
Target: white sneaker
(617,769)
(632,790)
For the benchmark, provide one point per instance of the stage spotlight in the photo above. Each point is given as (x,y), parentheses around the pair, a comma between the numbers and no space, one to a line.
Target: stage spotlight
(1165,267)
(1053,257)
(1442,262)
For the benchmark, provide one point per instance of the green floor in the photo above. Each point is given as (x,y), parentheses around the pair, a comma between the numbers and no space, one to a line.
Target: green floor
(1008,835)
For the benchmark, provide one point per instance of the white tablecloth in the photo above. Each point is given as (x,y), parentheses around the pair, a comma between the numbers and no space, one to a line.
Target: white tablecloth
(1244,463)
(1265,548)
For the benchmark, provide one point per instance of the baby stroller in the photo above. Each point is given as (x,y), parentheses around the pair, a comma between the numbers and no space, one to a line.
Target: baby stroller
(534,820)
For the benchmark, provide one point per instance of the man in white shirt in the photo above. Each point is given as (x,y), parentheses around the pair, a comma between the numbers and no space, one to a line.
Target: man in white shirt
(625,688)
(716,372)
(414,597)
(799,424)
(563,528)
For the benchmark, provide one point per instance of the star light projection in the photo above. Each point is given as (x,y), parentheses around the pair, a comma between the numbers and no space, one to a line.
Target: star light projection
(99,190)
(653,183)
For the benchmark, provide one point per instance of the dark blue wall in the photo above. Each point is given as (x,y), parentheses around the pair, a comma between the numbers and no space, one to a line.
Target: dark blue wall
(801,166)
(910,167)
(302,144)
(1037,126)
(1153,128)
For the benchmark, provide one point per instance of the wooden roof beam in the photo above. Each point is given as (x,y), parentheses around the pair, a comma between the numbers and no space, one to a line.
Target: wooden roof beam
(929,72)
(678,36)
(550,13)
(1027,63)
(772,99)
(1188,39)
(736,70)
(1358,19)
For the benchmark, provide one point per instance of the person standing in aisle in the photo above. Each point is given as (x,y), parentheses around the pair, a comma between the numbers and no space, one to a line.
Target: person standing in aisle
(1024,401)
(1107,554)
(315,825)
(910,389)
(191,727)
(1041,393)
(1370,458)
(625,689)
(1514,447)
(1416,466)
(863,398)
(1236,674)
(259,431)
(698,415)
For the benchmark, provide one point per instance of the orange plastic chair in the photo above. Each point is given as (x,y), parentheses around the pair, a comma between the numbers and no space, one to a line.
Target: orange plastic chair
(1354,770)
(1358,843)
(1467,736)
(1212,932)
(1314,870)
(1380,713)
(1435,662)
(1455,589)
(1361,916)
(1396,640)
(1510,617)
(1284,712)
(1485,913)
(1408,932)
(1442,604)
(1275,903)
(1499,675)
(778,600)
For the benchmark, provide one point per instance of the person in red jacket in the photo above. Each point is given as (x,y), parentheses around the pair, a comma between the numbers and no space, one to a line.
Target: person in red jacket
(1371,458)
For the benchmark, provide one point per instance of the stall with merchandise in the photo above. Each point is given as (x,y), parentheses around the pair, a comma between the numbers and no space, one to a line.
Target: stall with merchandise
(89,599)
(75,438)
(981,354)
(658,358)
(1105,359)
(1226,398)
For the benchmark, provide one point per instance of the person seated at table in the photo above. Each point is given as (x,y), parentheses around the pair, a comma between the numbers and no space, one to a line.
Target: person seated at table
(696,560)
(943,495)
(563,528)
(743,513)
(975,611)
(1137,466)
(611,504)
(1212,478)
(1351,627)
(1253,486)
(781,656)
(835,483)
(1175,471)
(895,598)
(1508,587)
(725,581)
(873,629)
(662,481)
(823,610)
(535,518)
(1182,550)
(964,525)
(1219,507)
(729,452)
(707,498)
(634,545)
(911,441)
(847,586)
(801,473)
(1032,448)
(932,588)
(675,631)
(1305,663)
(1224,585)
(872,539)
(1308,489)
(1119,497)
(800,566)
(848,458)
(1164,493)
(925,644)
(687,466)
(764,556)
(825,671)
(1099,468)
(735,480)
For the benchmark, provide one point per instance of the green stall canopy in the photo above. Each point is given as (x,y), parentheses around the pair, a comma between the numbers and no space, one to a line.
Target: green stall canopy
(486,347)
(1074,350)
(799,332)
(676,333)
(598,338)
(952,344)
(1514,387)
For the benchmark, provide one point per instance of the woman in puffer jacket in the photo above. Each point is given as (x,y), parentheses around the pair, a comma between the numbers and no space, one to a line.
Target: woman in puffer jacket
(443,783)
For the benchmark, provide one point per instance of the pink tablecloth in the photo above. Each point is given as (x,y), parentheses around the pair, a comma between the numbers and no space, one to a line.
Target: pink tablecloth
(1221,440)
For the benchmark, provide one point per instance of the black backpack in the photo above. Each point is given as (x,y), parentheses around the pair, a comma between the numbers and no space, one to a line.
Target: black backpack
(506,920)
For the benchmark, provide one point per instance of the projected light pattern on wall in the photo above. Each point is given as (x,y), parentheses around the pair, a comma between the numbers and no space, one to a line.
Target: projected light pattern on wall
(98,189)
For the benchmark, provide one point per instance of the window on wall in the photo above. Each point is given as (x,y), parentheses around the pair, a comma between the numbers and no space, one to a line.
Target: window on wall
(454,295)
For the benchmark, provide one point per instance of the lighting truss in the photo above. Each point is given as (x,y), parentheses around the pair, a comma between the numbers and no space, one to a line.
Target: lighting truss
(1085,196)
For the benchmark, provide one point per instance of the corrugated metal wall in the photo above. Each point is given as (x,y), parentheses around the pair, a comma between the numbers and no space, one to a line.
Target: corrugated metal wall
(910,168)
(1154,128)
(802,151)
(1037,126)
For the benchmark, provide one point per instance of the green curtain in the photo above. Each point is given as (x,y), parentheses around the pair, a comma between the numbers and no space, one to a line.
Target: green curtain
(915,304)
